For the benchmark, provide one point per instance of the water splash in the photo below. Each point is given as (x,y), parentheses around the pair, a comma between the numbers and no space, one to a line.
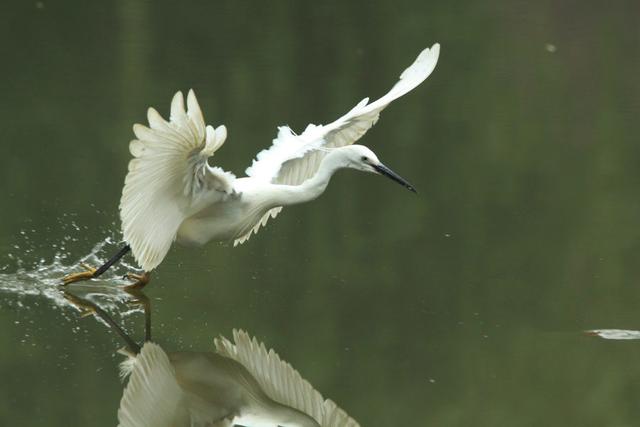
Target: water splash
(43,279)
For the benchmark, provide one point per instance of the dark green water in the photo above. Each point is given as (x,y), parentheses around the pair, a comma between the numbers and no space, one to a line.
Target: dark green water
(464,305)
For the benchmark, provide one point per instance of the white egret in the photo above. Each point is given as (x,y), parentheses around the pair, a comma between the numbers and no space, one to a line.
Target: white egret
(240,383)
(171,193)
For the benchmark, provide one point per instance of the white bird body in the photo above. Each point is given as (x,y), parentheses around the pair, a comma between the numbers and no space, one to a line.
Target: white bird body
(172,193)
(252,199)
(242,383)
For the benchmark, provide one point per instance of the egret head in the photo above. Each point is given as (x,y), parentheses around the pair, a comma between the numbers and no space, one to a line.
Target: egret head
(361,158)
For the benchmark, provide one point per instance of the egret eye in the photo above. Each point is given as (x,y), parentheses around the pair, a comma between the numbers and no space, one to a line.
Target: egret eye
(364,158)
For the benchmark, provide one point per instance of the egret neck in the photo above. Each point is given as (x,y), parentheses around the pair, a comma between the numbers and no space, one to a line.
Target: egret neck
(313,187)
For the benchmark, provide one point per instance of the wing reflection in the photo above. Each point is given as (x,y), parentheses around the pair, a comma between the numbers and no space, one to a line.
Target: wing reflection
(241,382)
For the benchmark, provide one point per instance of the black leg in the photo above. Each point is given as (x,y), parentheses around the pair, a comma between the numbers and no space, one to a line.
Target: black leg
(104,267)
(91,272)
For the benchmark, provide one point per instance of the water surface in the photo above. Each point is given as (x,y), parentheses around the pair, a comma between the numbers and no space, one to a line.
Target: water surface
(464,305)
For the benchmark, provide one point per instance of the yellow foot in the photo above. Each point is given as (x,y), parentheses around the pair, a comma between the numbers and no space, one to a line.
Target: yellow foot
(83,275)
(140,280)
(86,308)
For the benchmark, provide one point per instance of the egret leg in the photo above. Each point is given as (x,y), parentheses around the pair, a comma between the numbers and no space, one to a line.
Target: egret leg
(89,308)
(139,298)
(91,272)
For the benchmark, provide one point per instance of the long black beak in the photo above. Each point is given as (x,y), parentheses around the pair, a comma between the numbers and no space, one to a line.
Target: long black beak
(383,170)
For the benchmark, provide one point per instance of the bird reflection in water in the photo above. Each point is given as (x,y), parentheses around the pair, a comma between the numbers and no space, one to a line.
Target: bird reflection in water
(239,383)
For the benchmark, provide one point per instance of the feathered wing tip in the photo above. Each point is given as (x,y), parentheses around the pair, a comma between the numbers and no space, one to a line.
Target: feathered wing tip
(424,63)
(281,381)
(185,128)
(412,76)
(214,137)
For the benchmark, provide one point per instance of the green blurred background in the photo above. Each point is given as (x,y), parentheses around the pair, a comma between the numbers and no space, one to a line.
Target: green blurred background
(461,306)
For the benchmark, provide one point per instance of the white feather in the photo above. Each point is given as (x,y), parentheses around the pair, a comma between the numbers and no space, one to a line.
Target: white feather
(167,177)
(292,159)
(152,397)
(281,381)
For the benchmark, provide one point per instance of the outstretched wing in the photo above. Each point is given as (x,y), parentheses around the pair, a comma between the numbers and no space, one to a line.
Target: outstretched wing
(168,177)
(152,397)
(281,381)
(292,159)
